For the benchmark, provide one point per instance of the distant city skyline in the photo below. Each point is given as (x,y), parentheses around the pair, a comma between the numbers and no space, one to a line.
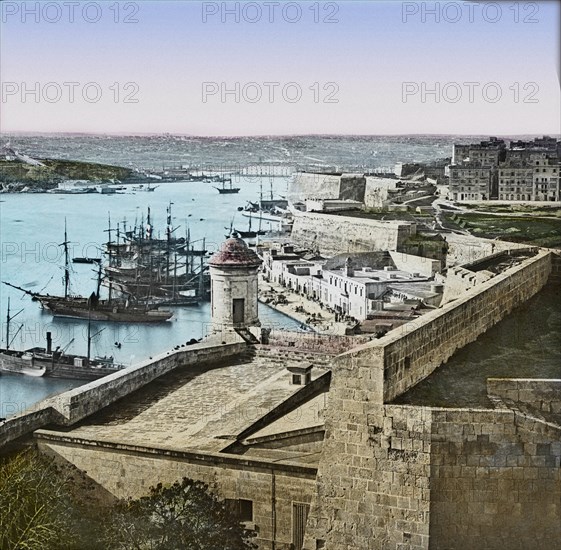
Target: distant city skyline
(262,69)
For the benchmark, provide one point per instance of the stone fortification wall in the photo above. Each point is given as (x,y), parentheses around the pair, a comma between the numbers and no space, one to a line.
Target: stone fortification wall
(416,264)
(376,193)
(555,277)
(313,342)
(129,471)
(336,234)
(388,448)
(306,185)
(71,406)
(464,249)
(81,402)
(421,478)
(543,396)
(414,350)
(495,481)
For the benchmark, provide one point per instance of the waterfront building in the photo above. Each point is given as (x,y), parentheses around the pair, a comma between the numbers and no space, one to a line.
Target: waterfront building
(351,286)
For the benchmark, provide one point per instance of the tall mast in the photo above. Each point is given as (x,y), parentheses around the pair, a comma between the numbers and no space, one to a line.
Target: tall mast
(66,262)
(89,336)
(8,319)
(111,256)
(201,280)
(8,326)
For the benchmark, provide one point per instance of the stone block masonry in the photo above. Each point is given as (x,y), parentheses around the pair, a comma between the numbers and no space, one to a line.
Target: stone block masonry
(337,234)
(541,396)
(129,471)
(74,405)
(413,351)
(429,478)
(409,477)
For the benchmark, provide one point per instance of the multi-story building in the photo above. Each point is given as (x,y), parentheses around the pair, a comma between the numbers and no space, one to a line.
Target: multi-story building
(471,182)
(486,153)
(526,171)
(516,181)
(546,177)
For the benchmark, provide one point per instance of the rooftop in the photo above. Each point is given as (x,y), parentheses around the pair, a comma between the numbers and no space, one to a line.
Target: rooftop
(206,407)
(235,253)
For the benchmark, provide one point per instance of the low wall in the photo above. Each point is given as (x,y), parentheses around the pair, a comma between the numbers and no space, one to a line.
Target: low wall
(22,424)
(129,471)
(314,342)
(340,234)
(74,405)
(541,395)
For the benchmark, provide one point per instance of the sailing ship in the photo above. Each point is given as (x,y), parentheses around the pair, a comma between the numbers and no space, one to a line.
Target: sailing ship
(250,234)
(39,361)
(93,307)
(161,270)
(227,190)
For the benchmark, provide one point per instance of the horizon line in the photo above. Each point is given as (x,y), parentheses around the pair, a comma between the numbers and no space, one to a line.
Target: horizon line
(240,136)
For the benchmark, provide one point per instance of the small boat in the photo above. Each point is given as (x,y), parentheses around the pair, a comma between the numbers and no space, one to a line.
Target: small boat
(146,187)
(20,362)
(79,260)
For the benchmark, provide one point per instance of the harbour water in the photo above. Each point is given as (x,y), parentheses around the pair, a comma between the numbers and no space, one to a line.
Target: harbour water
(32,230)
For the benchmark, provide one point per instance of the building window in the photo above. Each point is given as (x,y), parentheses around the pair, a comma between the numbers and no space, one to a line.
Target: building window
(297,379)
(241,507)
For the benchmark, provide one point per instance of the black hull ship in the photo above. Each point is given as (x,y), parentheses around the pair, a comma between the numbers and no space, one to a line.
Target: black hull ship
(95,308)
(46,362)
(227,190)
(39,362)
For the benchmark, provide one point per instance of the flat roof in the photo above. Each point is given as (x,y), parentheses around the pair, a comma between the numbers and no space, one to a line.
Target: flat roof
(203,408)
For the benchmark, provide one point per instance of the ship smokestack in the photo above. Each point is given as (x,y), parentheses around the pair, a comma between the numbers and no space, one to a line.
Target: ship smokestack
(49,343)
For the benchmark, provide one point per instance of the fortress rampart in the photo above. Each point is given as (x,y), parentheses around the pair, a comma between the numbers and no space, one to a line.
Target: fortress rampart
(129,471)
(74,405)
(421,477)
(337,234)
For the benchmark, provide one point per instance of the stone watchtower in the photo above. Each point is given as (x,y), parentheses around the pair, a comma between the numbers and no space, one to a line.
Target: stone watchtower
(233,275)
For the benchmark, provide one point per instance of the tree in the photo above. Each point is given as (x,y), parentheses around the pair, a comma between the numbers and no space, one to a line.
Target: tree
(35,509)
(185,516)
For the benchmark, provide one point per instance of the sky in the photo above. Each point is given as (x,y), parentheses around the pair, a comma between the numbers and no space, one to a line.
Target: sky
(280,68)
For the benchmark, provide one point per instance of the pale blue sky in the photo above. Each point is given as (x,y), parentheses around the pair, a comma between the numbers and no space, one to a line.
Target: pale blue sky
(363,59)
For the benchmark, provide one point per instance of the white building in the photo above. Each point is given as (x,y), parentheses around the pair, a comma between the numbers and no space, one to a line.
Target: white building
(349,291)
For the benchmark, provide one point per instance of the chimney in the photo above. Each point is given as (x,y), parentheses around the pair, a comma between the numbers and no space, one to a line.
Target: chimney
(300,375)
(49,343)
(348,270)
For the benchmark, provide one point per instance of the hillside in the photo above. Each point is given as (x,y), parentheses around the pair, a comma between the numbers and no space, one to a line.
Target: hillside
(18,176)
